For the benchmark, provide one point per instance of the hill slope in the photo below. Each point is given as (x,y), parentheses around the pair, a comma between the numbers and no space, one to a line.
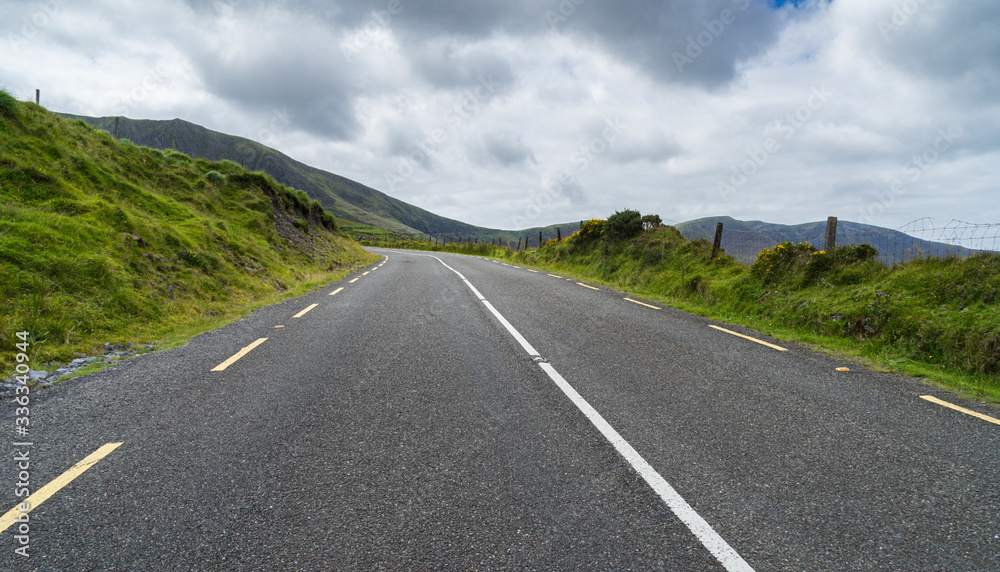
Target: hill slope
(341,196)
(102,239)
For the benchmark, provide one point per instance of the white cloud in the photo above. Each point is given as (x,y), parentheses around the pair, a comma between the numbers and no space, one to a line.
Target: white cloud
(494,114)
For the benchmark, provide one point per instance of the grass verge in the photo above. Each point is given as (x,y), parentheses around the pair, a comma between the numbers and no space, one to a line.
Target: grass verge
(105,241)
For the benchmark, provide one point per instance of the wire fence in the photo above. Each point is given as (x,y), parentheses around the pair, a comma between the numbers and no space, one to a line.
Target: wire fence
(921,238)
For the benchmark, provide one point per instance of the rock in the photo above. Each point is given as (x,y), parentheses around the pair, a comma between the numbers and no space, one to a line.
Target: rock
(37,375)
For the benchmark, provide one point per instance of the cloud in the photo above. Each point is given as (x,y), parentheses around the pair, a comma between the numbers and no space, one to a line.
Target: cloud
(502,149)
(494,111)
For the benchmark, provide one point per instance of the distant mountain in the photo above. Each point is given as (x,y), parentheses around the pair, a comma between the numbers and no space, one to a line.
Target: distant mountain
(745,239)
(341,196)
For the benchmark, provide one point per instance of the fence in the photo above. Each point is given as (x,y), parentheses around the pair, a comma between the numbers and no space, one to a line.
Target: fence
(921,238)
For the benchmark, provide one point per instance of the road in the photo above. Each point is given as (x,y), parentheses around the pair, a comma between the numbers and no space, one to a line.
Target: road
(451,412)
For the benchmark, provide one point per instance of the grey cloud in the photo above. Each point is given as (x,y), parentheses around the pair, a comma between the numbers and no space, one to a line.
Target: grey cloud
(502,149)
(655,147)
(449,64)
(716,35)
(947,41)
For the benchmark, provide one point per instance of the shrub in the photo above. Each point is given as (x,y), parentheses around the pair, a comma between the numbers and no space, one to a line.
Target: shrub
(591,230)
(651,221)
(214,177)
(623,226)
(773,264)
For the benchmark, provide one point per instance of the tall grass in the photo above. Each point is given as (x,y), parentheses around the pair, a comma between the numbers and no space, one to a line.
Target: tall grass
(102,240)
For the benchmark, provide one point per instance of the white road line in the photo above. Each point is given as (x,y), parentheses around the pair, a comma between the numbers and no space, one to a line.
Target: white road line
(303,312)
(238,355)
(710,539)
(761,342)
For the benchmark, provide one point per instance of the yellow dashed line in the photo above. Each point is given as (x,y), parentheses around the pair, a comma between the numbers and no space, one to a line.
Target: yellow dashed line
(761,342)
(642,304)
(933,399)
(43,494)
(303,312)
(238,355)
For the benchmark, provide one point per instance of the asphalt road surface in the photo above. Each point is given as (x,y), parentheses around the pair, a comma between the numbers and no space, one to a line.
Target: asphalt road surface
(450,412)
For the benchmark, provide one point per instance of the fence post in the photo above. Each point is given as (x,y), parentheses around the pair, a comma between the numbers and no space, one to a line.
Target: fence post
(718,240)
(518,244)
(831,234)
(558,233)
(38,97)
(539,239)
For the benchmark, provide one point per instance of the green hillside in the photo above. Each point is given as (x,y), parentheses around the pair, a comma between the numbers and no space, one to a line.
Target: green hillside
(102,240)
(341,196)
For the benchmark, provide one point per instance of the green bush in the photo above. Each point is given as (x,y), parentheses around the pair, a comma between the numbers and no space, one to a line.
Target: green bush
(623,226)
(214,177)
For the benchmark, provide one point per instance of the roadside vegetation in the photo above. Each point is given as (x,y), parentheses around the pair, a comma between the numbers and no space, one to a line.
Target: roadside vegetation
(935,318)
(105,241)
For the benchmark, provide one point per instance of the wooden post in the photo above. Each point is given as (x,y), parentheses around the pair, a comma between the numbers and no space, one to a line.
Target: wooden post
(718,240)
(222,155)
(116,128)
(558,233)
(38,97)
(539,239)
(518,244)
(831,234)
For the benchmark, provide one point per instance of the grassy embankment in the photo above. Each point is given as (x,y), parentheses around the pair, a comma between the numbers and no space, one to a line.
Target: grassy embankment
(938,319)
(104,241)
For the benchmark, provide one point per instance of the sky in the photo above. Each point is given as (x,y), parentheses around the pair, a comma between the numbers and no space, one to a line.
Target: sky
(519,113)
